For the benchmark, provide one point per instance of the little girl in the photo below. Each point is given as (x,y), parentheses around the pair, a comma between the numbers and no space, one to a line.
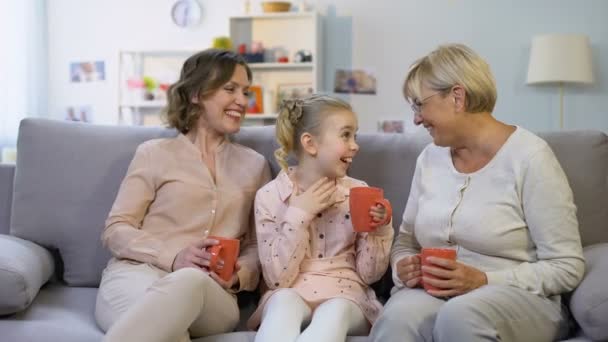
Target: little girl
(316,267)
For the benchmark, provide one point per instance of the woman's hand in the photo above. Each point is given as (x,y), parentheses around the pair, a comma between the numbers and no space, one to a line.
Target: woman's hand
(408,271)
(457,278)
(196,256)
(227,284)
(378,213)
(317,198)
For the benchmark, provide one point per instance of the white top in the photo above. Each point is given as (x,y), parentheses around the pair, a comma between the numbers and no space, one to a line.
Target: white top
(514,219)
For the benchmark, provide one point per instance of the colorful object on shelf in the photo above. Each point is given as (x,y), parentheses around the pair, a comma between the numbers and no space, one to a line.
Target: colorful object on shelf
(283,59)
(276,6)
(257,47)
(222,42)
(134,83)
(255,56)
(150,85)
(302,56)
(255,104)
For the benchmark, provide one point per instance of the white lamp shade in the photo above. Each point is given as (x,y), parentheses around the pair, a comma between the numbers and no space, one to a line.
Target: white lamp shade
(560,58)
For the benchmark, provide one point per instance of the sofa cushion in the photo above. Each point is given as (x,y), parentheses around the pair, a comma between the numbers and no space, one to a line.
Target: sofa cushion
(24,268)
(589,302)
(59,313)
(584,157)
(66,180)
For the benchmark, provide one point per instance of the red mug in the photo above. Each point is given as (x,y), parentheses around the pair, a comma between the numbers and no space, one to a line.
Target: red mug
(361,199)
(444,253)
(227,250)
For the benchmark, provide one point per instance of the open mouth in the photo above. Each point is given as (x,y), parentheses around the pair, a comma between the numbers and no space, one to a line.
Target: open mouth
(233,114)
(346,160)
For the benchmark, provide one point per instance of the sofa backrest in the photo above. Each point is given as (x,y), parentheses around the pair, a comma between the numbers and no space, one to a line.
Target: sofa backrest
(68,174)
(584,157)
(66,180)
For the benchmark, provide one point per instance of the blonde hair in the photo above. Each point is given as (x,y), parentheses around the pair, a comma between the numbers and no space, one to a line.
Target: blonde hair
(202,74)
(450,65)
(299,116)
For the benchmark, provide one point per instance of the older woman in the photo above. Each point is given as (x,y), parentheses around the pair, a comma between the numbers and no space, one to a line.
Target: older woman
(497,195)
(177,192)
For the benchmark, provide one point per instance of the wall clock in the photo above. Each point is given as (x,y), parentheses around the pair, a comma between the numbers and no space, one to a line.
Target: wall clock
(186,13)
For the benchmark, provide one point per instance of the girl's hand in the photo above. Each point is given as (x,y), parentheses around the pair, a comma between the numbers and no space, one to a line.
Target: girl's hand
(378,214)
(227,284)
(457,278)
(409,272)
(317,198)
(196,256)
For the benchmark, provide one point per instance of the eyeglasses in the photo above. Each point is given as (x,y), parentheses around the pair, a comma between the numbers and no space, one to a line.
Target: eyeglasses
(417,104)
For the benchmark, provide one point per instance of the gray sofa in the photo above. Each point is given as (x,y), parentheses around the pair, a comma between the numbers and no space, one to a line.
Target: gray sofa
(53,204)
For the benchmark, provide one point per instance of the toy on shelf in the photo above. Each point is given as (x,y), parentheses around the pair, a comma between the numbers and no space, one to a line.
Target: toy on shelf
(256,55)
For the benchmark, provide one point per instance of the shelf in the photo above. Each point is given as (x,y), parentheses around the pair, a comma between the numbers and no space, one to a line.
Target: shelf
(277,15)
(161,103)
(260,116)
(279,66)
(145,104)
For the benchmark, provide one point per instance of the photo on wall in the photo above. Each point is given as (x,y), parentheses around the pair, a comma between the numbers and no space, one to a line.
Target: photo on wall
(391,126)
(79,113)
(355,81)
(91,71)
(287,91)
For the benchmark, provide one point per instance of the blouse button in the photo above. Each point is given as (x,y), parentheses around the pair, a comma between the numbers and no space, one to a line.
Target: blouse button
(319,215)
(276,284)
(321,236)
(320,256)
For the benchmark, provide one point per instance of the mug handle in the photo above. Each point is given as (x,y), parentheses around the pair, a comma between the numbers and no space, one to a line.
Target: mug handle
(215,253)
(389,212)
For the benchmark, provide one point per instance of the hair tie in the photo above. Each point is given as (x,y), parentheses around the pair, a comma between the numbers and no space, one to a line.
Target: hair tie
(294,109)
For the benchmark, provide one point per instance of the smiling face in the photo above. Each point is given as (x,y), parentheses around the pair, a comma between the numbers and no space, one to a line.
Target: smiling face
(437,114)
(225,108)
(336,146)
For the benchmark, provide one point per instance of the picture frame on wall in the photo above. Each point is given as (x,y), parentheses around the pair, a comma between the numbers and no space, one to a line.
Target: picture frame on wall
(255,105)
(293,91)
(391,126)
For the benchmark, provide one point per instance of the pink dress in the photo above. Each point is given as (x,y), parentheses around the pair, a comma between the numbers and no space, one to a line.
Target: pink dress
(319,256)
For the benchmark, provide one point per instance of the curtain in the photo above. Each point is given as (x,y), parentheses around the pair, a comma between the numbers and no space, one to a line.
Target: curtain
(23,64)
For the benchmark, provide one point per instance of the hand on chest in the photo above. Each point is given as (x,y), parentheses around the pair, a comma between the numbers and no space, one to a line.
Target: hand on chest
(331,231)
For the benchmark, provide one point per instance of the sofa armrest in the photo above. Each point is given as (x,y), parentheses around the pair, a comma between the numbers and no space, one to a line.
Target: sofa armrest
(24,268)
(7,175)
(589,301)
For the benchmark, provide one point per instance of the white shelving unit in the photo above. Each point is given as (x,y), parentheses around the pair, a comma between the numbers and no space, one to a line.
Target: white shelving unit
(163,66)
(287,32)
(135,110)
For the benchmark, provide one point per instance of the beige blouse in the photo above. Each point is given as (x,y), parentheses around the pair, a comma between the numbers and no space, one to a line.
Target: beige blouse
(169,200)
(320,256)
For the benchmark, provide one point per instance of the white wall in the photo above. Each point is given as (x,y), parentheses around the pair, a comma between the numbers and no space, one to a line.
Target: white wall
(385,35)
(85,30)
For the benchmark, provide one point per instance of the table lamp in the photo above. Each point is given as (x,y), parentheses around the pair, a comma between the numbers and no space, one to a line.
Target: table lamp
(559,59)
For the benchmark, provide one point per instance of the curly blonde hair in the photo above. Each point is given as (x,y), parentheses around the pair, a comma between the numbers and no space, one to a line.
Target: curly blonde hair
(299,116)
(201,75)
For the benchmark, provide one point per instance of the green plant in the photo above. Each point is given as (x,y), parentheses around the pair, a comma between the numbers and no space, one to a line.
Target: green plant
(150,83)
